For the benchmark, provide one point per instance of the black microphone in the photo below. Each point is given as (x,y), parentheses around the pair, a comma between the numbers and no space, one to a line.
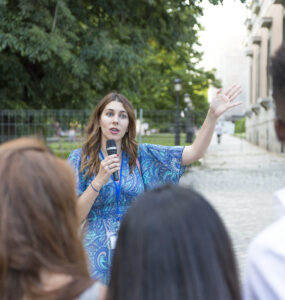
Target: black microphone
(112,149)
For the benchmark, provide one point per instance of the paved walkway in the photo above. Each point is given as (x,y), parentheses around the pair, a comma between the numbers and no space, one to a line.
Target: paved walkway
(239,179)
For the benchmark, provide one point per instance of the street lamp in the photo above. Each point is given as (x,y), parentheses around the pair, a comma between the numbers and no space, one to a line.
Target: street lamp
(189,129)
(177,88)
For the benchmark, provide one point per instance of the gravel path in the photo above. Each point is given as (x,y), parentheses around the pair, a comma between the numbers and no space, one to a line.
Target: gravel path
(239,179)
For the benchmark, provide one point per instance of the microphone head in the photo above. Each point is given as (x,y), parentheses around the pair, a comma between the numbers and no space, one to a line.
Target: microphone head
(111,147)
(111,143)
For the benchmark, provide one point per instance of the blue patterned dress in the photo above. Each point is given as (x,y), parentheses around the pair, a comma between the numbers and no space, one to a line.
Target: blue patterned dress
(159,165)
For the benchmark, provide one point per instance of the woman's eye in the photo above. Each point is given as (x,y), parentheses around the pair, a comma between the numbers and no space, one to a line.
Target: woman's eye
(124,116)
(109,114)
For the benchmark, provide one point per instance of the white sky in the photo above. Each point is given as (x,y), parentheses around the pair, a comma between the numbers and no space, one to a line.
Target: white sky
(220,22)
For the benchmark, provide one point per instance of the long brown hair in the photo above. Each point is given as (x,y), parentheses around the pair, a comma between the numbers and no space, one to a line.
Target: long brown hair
(91,146)
(38,223)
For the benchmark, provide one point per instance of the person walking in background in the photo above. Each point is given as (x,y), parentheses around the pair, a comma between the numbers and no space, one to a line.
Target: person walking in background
(101,199)
(219,132)
(265,270)
(173,245)
(41,256)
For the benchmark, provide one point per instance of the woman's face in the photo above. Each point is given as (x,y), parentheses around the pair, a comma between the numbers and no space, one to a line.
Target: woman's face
(114,122)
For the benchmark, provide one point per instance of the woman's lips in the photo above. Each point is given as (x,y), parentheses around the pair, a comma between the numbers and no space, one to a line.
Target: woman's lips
(114,131)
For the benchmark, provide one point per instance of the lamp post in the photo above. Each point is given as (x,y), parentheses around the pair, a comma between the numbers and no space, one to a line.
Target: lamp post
(189,130)
(177,88)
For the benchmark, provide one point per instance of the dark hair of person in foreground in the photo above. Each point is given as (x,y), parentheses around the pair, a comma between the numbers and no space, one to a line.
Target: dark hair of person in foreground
(41,256)
(278,81)
(278,77)
(173,245)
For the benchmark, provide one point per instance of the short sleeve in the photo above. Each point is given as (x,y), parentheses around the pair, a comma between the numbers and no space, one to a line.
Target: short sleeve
(74,160)
(160,164)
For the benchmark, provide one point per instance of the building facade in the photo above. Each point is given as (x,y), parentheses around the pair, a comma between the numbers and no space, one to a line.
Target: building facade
(265,34)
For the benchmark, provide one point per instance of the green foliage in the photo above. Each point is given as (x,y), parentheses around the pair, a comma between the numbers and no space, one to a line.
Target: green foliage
(240,126)
(68,54)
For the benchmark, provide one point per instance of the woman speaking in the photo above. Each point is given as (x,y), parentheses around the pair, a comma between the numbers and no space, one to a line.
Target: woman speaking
(102,200)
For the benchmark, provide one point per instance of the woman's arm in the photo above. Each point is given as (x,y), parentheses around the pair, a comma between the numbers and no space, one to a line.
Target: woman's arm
(107,167)
(219,104)
(86,200)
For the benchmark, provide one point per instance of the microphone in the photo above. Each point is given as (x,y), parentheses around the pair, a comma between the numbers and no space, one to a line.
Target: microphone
(112,149)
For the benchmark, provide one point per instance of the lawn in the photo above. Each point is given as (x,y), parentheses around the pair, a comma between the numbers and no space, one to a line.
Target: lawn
(63,148)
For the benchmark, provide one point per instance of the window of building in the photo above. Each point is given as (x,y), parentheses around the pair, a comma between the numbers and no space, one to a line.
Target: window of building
(250,81)
(268,77)
(258,71)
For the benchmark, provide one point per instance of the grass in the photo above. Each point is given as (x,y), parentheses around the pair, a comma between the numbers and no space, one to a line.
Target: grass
(62,149)
(165,139)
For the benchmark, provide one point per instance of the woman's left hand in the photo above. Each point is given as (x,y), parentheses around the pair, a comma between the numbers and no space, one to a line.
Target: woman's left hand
(224,101)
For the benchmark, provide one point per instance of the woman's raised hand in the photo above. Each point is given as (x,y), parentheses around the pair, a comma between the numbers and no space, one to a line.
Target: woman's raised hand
(108,166)
(224,101)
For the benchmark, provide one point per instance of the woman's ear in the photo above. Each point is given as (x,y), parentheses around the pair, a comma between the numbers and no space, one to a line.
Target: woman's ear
(279,129)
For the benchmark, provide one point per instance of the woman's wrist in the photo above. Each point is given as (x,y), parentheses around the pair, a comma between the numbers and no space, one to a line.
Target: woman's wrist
(212,114)
(96,186)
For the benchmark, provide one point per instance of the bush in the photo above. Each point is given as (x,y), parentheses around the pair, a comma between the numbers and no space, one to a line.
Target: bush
(63,154)
(240,126)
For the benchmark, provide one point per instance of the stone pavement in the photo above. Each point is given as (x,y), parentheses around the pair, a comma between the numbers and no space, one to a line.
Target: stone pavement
(239,180)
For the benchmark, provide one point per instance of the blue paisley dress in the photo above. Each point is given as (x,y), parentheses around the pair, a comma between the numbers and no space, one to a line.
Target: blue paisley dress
(159,165)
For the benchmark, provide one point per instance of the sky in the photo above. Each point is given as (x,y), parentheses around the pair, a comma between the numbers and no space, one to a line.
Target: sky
(223,45)
(220,23)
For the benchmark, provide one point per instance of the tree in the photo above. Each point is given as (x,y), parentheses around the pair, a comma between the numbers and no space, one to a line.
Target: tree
(68,54)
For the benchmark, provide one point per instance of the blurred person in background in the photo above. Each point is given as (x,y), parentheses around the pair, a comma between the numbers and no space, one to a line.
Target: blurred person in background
(219,132)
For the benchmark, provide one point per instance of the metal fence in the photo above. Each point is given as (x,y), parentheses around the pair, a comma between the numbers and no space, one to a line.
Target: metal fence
(64,130)
(45,123)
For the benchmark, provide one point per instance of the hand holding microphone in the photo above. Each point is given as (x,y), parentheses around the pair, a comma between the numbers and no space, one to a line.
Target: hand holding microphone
(108,166)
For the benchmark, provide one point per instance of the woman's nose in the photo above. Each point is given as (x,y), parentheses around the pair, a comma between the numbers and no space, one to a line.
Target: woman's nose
(115,119)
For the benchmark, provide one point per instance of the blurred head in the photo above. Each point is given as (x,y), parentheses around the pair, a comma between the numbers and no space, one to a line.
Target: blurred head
(38,222)
(109,113)
(278,82)
(173,245)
